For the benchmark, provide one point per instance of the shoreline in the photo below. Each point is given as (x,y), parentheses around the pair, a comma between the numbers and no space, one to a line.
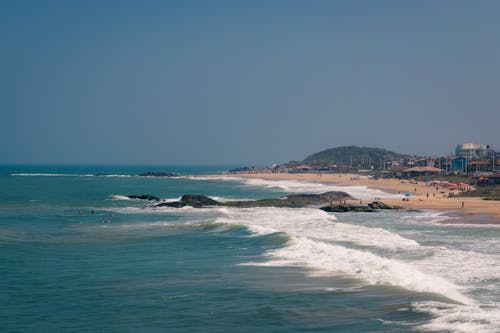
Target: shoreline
(475,210)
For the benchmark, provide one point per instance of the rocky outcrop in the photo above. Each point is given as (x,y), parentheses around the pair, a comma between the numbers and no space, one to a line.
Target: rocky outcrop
(144,197)
(381,205)
(371,207)
(193,200)
(292,201)
(344,208)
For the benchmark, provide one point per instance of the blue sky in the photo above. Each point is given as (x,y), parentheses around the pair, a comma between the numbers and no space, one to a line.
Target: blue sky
(244,82)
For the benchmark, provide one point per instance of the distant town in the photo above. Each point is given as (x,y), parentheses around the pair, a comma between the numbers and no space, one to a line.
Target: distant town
(480,163)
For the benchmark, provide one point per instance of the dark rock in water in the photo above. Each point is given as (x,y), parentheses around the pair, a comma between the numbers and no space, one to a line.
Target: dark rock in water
(371,207)
(158,174)
(144,197)
(381,205)
(335,196)
(175,204)
(198,200)
(347,208)
(293,201)
(193,200)
(261,203)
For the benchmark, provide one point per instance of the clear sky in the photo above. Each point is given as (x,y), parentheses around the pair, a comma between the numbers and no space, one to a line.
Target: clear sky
(244,82)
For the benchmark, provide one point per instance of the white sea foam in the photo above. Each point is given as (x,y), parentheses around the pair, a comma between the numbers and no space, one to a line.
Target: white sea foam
(170,199)
(214,177)
(66,175)
(119,197)
(428,216)
(326,259)
(321,243)
(459,318)
(437,217)
(474,269)
(229,199)
(315,224)
(296,186)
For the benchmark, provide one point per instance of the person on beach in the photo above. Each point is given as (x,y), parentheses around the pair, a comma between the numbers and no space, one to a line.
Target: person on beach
(463,204)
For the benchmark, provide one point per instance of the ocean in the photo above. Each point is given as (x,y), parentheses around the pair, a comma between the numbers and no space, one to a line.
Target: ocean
(77,255)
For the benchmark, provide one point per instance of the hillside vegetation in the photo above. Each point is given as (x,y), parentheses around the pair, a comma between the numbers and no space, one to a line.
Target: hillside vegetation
(357,157)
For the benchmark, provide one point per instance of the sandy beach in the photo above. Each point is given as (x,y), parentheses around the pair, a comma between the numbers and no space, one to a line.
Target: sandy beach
(423,197)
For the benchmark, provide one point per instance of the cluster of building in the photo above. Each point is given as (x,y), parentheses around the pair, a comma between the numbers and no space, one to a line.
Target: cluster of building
(470,159)
(478,161)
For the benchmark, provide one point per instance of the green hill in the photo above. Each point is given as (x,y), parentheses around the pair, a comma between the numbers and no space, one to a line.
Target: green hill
(357,157)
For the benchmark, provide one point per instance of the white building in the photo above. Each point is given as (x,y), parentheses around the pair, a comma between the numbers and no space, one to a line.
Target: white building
(471,150)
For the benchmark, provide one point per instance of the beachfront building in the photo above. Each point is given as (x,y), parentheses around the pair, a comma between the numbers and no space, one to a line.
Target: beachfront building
(425,171)
(452,164)
(472,150)
(459,164)
(421,171)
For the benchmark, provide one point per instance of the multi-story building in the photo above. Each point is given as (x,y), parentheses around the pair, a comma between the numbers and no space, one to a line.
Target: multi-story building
(472,150)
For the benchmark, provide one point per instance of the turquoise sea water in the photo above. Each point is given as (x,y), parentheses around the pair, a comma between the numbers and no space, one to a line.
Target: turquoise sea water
(76,256)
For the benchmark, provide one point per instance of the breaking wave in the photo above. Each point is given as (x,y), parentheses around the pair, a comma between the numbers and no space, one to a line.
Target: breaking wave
(295,186)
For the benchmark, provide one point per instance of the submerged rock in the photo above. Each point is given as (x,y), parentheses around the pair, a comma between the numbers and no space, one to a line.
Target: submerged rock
(144,197)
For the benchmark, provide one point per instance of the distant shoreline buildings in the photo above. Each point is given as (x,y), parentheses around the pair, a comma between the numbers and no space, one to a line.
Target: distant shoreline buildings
(470,159)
